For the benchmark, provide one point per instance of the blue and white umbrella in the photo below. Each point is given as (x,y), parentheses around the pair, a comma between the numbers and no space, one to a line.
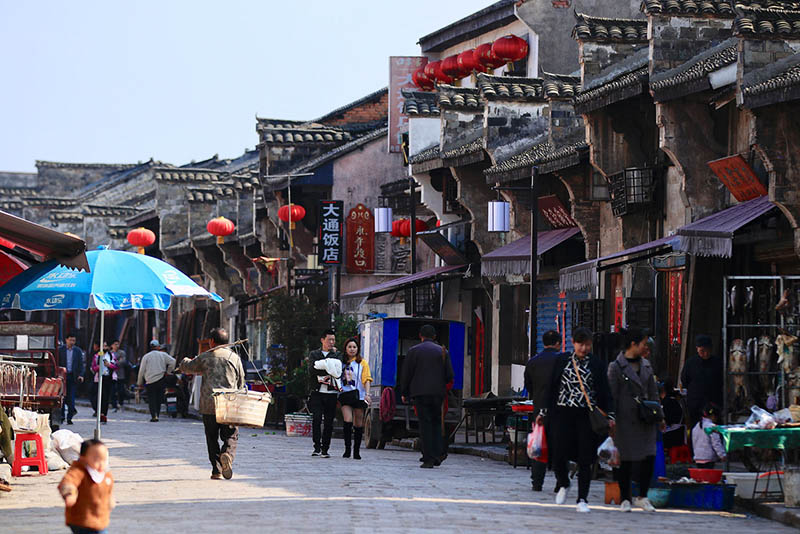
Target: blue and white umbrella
(117,280)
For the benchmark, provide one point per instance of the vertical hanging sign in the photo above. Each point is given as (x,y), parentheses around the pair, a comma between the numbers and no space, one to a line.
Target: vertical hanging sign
(330,232)
(400,70)
(360,240)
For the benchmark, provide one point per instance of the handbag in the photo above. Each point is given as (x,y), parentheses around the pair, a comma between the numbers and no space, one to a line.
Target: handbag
(650,412)
(597,417)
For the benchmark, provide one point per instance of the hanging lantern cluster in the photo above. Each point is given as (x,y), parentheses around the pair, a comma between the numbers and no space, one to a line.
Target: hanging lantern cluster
(220,227)
(484,55)
(291,213)
(510,48)
(452,68)
(469,63)
(422,80)
(434,71)
(141,238)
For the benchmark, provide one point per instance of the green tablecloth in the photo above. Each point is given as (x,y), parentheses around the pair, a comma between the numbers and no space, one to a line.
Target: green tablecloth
(739,438)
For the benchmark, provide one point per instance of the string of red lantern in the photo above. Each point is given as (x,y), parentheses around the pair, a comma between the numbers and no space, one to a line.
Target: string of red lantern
(484,55)
(510,48)
(422,80)
(469,63)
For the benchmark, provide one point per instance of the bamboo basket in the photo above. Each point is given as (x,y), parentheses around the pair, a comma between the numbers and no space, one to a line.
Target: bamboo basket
(241,408)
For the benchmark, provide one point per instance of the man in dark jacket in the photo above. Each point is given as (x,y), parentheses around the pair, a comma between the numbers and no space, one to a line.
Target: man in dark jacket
(73,360)
(322,402)
(538,374)
(426,372)
(702,377)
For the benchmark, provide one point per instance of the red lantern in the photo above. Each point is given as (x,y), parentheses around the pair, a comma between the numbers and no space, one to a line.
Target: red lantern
(421,79)
(468,62)
(396,229)
(220,227)
(140,238)
(451,67)
(484,55)
(291,213)
(510,48)
(434,72)
(405,227)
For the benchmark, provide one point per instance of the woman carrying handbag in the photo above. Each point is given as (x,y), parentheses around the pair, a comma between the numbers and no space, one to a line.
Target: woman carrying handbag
(354,397)
(576,415)
(638,414)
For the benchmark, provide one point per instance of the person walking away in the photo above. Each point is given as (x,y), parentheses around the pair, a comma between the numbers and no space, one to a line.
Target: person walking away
(576,376)
(324,395)
(109,371)
(120,384)
(708,448)
(632,382)
(538,373)
(427,369)
(87,490)
(72,358)
(675,433)
(354,398)
(221,368)
(702,377)
(153,368)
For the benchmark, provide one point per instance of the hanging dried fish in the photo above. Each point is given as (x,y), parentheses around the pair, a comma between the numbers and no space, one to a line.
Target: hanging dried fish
(732,301)
(749,297)
(737,364)
(765,364)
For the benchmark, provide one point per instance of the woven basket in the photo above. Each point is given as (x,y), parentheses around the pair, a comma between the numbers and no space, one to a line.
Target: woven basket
(240,408)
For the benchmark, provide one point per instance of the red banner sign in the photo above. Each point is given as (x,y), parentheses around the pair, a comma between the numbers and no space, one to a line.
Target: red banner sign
(400,70)
(360,240)
(556,214)
(738,177)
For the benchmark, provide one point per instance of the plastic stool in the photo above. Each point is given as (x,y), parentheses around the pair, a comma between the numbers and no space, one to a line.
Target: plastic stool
(38,460)
(612,493)
(680,455)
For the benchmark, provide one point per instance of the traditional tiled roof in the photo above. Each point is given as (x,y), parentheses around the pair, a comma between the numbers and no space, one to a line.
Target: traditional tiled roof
(340,151)
(561,85)
(692,76)
(714,8)
(196,194)
(18,191)
(479,23)
(426,155)
(465,154)
(176,174)
(752,21)
(511,88)
(617,82)
(65,216)
(109,211)
(777,82)
(49,202)
(307,133)
(590,28)
(372,97)
(420,103)
(59,164)
(461,98)
(544,155)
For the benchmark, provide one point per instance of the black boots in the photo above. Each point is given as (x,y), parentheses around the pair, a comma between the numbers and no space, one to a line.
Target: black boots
(348,431)
(359,431)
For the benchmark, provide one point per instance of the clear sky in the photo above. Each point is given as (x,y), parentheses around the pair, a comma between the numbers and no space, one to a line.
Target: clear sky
(124,81)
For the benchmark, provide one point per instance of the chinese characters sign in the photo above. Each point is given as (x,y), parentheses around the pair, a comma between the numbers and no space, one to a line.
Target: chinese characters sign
(330,232)
(400,70)
(360,240)
(738,177)
(556,214)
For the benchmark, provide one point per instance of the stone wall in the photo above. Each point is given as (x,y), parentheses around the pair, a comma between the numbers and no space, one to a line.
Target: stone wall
(511,127)
(675,40)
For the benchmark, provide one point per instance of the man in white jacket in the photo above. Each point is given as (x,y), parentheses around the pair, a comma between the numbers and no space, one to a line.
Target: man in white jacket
(152,369)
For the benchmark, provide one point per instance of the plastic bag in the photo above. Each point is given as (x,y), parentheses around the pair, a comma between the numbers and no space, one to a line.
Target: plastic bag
(537,444)
(24,420)
(760,419)
(783,416)
(608,454)
(68,444)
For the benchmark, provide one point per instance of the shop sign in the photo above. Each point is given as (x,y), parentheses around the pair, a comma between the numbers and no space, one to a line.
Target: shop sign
(330,232)
(738,177)
(400,70)
(360,240)
(555,213)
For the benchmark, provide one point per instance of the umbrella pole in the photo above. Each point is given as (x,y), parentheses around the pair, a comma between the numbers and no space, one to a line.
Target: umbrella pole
(100,364)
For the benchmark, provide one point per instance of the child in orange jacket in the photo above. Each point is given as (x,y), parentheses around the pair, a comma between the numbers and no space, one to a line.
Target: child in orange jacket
(86,489)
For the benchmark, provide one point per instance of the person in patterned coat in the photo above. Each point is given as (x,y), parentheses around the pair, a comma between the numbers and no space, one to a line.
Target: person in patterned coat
(221,368)
(566,417)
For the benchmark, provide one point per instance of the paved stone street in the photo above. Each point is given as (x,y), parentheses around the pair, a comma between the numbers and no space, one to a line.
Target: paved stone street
(162,481)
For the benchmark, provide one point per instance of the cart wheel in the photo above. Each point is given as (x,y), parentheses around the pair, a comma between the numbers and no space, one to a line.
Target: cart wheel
(372,429)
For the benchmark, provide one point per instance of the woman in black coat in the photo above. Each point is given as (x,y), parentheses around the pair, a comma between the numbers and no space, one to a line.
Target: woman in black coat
(569,430)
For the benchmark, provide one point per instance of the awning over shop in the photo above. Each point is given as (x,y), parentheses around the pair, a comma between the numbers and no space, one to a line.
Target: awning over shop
(713,235)
(515,258)
(584,274)
(44,243)
(397,284)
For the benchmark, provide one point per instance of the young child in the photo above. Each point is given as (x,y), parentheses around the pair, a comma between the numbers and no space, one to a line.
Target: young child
(708,448)
(86,489)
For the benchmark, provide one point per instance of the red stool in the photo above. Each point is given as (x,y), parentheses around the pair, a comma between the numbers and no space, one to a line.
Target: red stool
(680,455)
(38,460)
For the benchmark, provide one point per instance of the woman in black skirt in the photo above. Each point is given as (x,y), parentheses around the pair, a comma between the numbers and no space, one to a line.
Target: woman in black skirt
(576,376)
(354,397)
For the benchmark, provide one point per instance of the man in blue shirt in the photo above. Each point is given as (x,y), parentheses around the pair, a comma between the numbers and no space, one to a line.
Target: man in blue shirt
(72,359)
(538,375)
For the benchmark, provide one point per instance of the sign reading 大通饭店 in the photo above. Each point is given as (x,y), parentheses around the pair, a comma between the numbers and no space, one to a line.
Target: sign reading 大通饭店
(330,232)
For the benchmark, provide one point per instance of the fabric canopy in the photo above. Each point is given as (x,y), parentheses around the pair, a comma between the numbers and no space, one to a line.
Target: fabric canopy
(396,284)
(42,242)
(9,266)
(515,258)
(713,235)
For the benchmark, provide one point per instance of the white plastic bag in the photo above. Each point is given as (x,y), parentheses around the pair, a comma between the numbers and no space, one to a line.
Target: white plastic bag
(68,444)
(537,444)
(783,416)
(54,461)
(608,454)
(760,419)
(24,420)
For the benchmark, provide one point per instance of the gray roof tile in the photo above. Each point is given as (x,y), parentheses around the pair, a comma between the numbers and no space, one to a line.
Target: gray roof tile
(754,21)
(420,103)
(695,70)
(588,28)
